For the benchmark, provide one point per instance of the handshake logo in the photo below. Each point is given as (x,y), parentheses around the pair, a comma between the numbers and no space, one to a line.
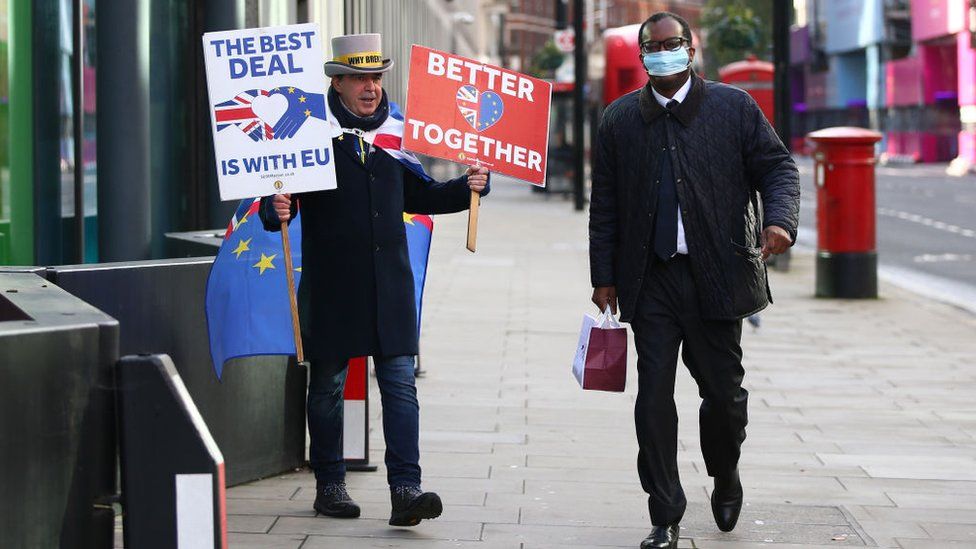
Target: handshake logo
(270,114)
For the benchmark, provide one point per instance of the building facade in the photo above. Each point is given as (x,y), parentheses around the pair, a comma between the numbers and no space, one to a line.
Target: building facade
(904,68)
(104,152)
(529,24)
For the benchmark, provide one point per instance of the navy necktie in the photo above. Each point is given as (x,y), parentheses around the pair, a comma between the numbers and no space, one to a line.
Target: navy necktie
(666,224)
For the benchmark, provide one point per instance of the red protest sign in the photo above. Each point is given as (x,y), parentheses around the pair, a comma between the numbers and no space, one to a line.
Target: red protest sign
(477,114)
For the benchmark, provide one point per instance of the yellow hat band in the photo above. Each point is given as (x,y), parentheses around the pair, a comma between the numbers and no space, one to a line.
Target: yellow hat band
(365,59)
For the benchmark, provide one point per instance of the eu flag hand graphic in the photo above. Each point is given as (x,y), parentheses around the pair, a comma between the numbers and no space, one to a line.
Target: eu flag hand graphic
(301,106)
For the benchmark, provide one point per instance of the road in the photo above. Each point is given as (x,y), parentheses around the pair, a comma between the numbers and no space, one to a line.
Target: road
(926,228)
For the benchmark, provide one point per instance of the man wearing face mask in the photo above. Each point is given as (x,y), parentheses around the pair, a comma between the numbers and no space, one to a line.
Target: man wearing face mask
(691,191)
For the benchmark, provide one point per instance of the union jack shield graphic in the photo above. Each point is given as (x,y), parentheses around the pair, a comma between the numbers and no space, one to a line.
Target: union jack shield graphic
(467,100)
(480,109)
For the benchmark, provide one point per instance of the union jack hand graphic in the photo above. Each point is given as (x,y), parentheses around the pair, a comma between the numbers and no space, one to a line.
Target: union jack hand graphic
(237,112)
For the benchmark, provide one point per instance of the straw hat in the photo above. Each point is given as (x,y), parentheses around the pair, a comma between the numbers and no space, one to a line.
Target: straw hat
(357,54)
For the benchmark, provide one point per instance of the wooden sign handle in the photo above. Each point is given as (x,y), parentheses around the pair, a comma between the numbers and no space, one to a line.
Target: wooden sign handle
(292,302)
(473,220)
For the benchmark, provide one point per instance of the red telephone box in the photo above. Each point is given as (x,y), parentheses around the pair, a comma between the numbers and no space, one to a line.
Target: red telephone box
(756,78)
(624,71)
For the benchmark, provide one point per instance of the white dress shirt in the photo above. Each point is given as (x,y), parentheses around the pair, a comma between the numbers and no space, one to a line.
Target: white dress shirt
(679,96)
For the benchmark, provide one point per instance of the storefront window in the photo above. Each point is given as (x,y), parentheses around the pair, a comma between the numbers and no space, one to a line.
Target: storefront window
(169,120)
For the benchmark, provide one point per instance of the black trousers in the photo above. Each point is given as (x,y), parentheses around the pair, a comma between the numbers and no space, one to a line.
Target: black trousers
(665,318)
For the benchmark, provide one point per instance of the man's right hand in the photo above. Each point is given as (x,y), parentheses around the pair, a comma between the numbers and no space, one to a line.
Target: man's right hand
(604,296)
(282,207)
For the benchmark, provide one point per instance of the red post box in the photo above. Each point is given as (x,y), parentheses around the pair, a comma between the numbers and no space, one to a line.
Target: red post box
(847,261)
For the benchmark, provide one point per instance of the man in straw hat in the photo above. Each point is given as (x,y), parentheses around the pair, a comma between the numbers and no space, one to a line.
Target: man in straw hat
(356,296)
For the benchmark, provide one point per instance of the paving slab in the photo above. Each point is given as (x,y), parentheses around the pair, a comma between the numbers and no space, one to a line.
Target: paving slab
(482,514)
(266,489)
(927,543)
(325,542)
(565,536)
(932,500)
(930,467)
(950,532)
(250,524)
(727,544)
(377,528)
(238,508)
(382,495)
(914,485)
(265,541)
(920,514)
(885,533)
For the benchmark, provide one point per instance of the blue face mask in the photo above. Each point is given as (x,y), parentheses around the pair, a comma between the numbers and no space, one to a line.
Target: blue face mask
(666,63)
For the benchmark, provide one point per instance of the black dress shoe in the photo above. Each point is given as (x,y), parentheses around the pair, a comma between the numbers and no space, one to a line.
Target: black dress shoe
(332,500)
(665,537)
(727,501)
(411,505)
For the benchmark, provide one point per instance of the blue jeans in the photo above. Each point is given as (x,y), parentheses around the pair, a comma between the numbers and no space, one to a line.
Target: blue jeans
(401,419)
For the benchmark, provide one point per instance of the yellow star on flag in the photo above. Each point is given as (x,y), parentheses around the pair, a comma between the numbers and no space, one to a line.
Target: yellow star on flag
(408,218)
(308,113)
(240,222)
(291,89)
(301,99)
(242,246)
(265,263)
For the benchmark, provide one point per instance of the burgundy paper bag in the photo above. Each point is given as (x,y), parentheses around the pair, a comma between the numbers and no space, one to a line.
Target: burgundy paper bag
(601,356)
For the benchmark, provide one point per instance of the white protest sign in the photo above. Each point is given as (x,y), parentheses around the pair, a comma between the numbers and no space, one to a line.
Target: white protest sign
(267,110)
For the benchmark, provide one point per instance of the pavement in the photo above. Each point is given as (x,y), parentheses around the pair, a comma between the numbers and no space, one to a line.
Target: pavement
(862,424)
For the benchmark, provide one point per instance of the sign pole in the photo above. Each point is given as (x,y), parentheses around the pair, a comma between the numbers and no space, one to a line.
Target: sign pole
(473,220)
(473,215)
(290,277)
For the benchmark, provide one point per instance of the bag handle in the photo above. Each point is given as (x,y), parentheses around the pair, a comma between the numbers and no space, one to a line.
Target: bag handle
(607,318)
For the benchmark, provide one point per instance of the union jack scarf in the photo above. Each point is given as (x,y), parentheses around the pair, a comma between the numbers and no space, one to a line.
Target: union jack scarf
(388,137)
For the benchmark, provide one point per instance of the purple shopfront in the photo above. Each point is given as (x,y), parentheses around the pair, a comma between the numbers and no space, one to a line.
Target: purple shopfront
(903,97)
(800,58)
(945,67)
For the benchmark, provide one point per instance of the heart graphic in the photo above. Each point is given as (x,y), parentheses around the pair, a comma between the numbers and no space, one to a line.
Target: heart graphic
(481,109)
(269,108)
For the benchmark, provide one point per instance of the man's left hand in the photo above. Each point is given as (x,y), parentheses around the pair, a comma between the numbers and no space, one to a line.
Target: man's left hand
(477,178)
(775,240)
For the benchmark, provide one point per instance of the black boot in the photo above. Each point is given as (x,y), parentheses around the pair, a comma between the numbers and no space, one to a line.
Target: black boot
(727,501)
(332,500)
(411,505)
(662,537)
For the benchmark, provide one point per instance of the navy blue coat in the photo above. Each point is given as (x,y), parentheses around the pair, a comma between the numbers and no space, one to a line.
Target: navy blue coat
(725,156)
(356,296)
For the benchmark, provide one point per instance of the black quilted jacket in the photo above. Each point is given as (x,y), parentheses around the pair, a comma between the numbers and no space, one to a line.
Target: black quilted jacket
(725,157)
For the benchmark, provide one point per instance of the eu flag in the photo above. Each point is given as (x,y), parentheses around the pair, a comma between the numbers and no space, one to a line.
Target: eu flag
(247,301)
(247,305)
(419,231)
